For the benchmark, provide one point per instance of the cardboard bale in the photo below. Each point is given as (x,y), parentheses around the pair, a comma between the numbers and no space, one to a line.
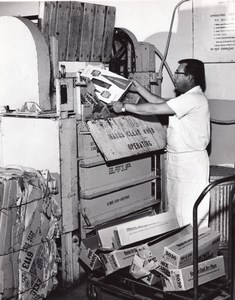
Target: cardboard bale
(180,252)
(208,270)
(144,228)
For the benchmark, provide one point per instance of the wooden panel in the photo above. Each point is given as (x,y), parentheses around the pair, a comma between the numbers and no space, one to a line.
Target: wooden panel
(113,174)
(108,34)
(68,161)
(67,259)
(62,27)
(126,136)
(99,22)
(87,148)
(47,19)
(120,203)
(84,30)
(87,32)
(75,27)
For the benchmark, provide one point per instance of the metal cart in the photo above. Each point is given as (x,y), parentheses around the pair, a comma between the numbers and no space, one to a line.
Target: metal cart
(122,285)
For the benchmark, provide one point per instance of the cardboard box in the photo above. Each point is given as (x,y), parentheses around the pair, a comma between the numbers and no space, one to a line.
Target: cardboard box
(141,267)
(157,245)
(180,253)
(88,253)
(119,259)
(105,232)
(208,270)
(144,228)
(167,283)
(109,86)
(151,279)
(166,267)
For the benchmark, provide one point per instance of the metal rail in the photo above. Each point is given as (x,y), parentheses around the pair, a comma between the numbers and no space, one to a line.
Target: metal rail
(195,232)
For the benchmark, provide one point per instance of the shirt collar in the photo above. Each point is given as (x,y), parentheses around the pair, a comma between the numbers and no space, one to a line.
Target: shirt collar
(196,88)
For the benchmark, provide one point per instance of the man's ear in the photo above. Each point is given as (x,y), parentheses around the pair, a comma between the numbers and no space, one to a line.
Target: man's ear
(190,78)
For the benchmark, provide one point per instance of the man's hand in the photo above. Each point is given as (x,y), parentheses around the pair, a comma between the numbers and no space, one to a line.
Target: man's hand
(135,86)
(117,106)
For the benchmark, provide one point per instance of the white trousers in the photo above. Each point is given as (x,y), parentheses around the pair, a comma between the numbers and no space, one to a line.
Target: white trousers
(187,176)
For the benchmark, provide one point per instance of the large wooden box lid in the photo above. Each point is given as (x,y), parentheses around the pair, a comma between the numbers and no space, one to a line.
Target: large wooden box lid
(84,30)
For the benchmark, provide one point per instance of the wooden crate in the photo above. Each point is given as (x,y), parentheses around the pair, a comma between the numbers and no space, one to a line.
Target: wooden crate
(88,152)
(84,30)
(107,207)
(113,176)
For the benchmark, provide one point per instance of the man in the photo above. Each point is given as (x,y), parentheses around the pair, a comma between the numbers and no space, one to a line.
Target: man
(188,135)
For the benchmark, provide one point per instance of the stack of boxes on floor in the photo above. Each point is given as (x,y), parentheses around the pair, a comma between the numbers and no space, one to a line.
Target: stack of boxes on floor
(29,217)
(154,249)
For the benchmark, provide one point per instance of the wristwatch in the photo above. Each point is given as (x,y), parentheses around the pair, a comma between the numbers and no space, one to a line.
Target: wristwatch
(123,108)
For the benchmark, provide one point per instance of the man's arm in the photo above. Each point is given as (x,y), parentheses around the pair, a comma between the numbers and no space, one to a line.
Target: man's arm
(143,109)
(147,95)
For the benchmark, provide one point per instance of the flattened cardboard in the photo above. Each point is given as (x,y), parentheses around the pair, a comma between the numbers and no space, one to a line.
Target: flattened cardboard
(109,86)
(147,227)
(88,253)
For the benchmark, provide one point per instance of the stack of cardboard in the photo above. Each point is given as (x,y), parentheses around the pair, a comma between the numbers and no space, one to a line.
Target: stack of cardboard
(28,223)
(177,262)
(119,241)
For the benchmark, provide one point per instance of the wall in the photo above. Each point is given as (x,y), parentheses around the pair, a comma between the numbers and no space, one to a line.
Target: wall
(150,21)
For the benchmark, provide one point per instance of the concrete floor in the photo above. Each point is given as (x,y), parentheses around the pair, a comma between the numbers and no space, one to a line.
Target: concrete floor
(78,292)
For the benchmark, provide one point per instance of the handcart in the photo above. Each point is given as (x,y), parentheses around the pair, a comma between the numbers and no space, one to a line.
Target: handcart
(124,286)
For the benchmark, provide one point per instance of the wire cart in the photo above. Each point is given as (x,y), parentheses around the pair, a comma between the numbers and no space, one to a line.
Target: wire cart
(124,286)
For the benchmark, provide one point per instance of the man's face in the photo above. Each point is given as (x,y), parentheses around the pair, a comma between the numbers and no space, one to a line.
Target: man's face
(180,79)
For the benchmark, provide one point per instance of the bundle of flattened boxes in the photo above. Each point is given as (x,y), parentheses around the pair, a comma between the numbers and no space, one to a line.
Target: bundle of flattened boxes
(155,250)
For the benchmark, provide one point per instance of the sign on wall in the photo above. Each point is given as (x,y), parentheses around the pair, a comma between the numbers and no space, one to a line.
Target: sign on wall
(214,30)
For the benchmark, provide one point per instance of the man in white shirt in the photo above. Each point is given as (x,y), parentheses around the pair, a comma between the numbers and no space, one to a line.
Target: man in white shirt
(188,135)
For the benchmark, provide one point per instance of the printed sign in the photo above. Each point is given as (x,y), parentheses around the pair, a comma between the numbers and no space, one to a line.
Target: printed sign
(214,30)
(125,136)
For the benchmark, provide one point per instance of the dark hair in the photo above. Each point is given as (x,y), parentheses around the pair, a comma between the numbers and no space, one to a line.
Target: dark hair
(196,68)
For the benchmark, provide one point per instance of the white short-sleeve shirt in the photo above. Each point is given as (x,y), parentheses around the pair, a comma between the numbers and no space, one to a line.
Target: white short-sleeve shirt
(189,128)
